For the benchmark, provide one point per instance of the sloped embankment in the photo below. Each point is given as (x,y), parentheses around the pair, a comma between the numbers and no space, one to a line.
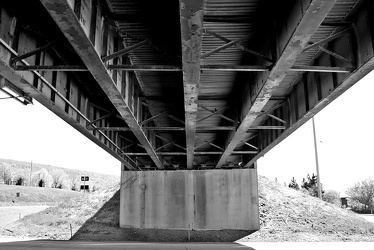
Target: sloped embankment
(290,215)
(285,215)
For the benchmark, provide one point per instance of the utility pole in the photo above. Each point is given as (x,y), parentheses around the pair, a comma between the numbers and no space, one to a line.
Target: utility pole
(30,174)
(317,166)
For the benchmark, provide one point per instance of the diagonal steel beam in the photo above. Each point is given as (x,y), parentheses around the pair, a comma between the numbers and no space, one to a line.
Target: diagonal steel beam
(191,20)
(227,45)
(65,18)
(296,40)
(125,51)
(31,53)
(327,39)
(277,118)
(213,113)
(241,47)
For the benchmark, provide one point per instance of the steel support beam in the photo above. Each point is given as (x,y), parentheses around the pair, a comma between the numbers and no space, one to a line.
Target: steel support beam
(191,20)
(297,41)
(66,20)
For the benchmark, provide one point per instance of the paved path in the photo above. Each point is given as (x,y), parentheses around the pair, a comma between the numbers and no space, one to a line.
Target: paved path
(13,213)
(62,245)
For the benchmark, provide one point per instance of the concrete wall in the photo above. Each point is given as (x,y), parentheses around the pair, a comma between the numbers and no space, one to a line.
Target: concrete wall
(191,199)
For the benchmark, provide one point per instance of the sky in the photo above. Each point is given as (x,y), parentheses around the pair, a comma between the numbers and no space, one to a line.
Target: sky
(345,134)
(33,133)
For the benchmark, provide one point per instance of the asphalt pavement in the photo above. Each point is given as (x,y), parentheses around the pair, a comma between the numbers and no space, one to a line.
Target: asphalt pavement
(62,245)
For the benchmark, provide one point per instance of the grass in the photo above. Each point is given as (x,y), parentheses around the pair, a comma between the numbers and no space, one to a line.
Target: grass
(285,215)
(34,195)
(290,215)
(59,222)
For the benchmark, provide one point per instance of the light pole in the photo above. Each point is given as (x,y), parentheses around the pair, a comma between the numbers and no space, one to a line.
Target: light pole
(317,166)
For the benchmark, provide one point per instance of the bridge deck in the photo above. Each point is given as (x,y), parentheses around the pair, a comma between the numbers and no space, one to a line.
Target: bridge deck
(185,85)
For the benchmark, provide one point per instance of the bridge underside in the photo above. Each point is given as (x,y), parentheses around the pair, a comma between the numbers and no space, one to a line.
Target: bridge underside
(188,85)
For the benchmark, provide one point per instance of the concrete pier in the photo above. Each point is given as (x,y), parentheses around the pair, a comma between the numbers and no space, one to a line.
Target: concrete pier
(190,200)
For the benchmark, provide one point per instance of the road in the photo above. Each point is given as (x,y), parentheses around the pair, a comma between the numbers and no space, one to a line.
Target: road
(63,245)
(13,213)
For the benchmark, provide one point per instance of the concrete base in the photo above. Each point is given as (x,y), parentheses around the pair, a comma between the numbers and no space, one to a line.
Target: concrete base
(190,200)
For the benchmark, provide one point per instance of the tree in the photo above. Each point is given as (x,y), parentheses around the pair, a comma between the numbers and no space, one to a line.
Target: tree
(363,192)
(20,181)
(293,184)
(7,175)
(64,182)
(331,196)
(75,182)
(311,185)
(42,178)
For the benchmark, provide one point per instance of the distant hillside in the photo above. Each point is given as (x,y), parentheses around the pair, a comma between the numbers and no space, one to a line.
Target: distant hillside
(52,176)
(285,214)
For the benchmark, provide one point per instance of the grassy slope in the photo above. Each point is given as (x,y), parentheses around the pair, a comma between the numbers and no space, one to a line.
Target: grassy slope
(286,215)
(290,215)
(34,195)
(55,222)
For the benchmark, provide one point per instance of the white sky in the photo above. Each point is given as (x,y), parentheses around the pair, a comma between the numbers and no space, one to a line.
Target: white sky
(345,139)
(33,133)
(345,127)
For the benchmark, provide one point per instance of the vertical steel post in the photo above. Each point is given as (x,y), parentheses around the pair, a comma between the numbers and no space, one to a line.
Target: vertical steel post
(316,155)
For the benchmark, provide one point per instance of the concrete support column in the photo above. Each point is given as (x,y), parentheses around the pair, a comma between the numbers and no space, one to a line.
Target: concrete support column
(190,200)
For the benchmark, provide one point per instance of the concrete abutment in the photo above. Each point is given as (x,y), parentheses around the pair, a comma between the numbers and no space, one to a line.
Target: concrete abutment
(190,200)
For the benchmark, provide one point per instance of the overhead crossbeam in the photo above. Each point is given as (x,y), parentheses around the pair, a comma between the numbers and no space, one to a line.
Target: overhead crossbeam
(168,68)
(73,31)
(198,129)
(266,127)
(325,69)
(191,20)
(295,42)
(195,153)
